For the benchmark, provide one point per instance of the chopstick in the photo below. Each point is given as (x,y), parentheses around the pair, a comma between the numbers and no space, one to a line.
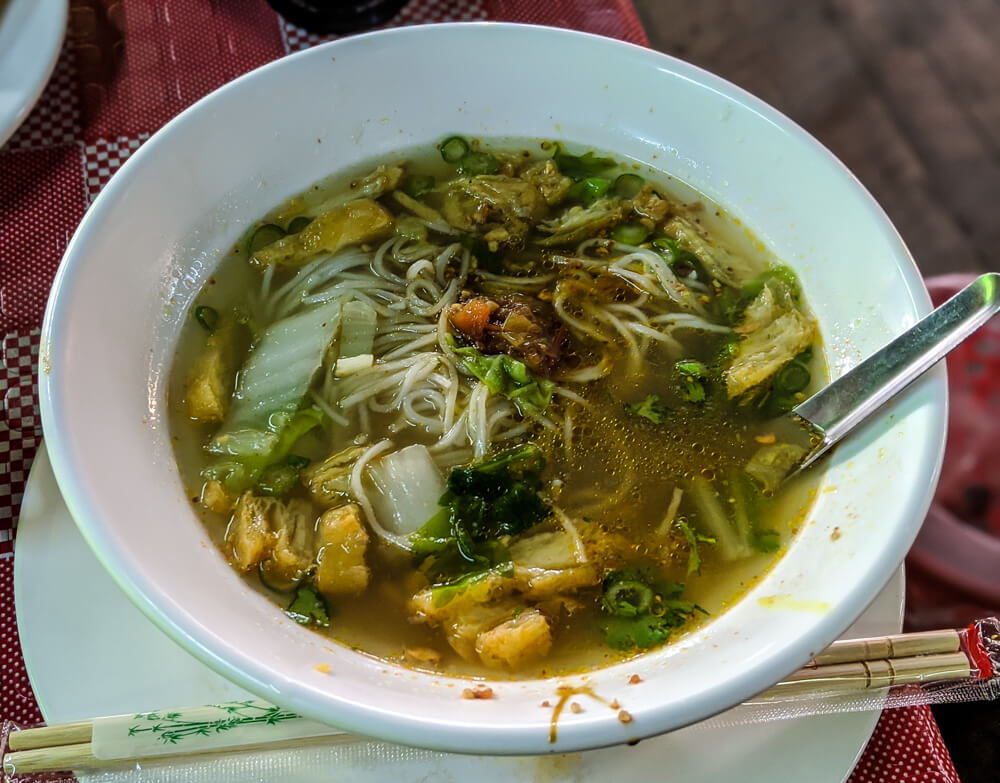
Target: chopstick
(846,666)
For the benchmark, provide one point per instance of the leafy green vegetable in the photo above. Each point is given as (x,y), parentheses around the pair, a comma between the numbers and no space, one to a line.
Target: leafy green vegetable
(693,375)
(767,541)
(778,272)
(694,559)
(308,607)
(207,317)
(417,185)
(443,592)
(581,166)
(486,259)
(649,408)
(279,479)
(484,502)
(245,454)
(587,191)
(639,609)
(505,375)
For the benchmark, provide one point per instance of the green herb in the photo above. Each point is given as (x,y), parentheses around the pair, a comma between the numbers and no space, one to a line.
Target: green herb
(693,375)
(587,191)
(581,166)
(479,249)
(279,479)
(207,317)
(649,409)
(630,233)
(694,559)
(767,541)
(245,454)
(639,609)
(507,376)
(417,185)
(485,502)
(308,607)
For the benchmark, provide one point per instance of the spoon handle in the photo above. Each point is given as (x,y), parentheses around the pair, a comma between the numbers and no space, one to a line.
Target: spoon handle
(856,395)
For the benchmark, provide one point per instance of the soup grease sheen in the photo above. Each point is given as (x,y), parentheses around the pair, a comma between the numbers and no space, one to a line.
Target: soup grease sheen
(496,409)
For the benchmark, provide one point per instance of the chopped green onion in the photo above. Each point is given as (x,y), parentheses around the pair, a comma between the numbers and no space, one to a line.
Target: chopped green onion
(453,149)
(628,185)
(208,317)
(630,233)
(793,378)
(479,163)
(299,223)
(628,598)
(581,166)
(417,185)
(263,236)
(588,190)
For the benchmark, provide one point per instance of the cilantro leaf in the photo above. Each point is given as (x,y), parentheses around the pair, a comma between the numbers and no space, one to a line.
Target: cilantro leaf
(649,409)
(693,375)
(638,609)
(694,559)
(308,607)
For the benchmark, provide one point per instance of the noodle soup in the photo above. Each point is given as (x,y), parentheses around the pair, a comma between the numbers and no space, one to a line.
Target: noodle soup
(496,410)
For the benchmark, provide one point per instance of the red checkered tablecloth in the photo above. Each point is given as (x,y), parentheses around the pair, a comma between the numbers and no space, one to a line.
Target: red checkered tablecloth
(125,70)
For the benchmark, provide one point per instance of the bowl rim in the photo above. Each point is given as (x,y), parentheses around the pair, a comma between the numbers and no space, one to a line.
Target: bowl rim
(377,719)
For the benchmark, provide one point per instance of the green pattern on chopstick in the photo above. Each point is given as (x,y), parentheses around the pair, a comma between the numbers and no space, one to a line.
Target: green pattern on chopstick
(171,727)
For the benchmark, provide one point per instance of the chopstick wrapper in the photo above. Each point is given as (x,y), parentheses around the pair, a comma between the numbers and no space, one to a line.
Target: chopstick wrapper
(210,728)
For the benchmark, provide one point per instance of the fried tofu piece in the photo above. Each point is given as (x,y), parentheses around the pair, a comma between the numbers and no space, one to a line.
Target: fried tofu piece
(249,535)
(516,642)
(210,383)
(340,562)
(215,498)
(350,224)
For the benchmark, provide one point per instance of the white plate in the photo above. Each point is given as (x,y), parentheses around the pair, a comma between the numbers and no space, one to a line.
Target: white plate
(90,652)
(31,36)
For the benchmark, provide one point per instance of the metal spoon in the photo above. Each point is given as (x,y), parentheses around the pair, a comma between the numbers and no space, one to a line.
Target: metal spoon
(840,407)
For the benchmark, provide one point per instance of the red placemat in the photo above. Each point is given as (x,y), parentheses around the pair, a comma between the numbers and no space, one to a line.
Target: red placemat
(125,71)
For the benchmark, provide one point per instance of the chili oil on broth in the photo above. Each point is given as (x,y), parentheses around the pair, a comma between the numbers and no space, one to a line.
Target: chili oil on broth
(617,473)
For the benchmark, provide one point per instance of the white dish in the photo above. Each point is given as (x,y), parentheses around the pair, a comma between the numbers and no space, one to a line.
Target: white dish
(159,226)
(90,652)
(31,36)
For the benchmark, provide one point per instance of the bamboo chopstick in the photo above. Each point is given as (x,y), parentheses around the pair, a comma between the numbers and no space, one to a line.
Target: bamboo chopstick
(847,666)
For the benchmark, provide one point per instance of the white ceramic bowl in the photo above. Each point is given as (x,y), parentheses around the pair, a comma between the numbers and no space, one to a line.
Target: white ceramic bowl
(149,242)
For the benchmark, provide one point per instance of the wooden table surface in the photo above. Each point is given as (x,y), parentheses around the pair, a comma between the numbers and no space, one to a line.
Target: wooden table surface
(907,94)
